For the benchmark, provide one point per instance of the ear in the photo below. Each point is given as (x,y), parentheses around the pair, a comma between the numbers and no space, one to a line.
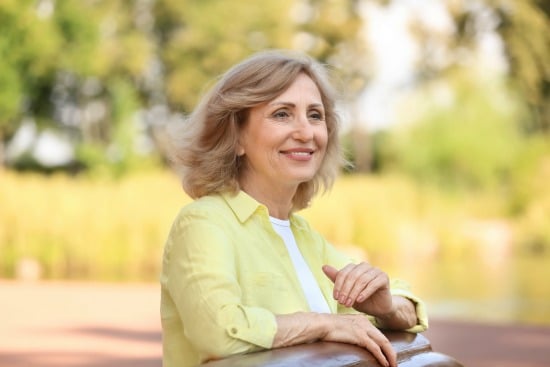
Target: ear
(239,150)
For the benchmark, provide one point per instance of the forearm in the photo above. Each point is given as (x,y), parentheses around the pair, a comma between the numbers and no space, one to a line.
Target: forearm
(402,317)
(299,328)
(306,327)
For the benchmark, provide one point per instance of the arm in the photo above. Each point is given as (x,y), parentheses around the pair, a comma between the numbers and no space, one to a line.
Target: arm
(367,290)
(200,277)
(401,317)
(306,327)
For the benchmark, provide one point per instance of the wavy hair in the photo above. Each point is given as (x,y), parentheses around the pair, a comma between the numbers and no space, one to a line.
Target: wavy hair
(204,144)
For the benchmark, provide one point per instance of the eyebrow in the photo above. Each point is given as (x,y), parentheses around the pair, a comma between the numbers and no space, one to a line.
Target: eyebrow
(290,104)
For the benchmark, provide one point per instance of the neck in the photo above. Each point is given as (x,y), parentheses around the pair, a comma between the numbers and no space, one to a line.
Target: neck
(278,202)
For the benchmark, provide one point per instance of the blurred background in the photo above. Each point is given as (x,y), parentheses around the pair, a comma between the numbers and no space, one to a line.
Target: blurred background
(445,109)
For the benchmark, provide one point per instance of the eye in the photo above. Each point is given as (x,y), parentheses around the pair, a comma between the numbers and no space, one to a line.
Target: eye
(281,114)
(316,115)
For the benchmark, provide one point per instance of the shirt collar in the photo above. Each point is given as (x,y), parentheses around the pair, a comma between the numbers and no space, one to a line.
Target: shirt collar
(244,205)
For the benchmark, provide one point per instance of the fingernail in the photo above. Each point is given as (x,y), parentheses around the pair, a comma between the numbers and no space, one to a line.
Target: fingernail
(336,294)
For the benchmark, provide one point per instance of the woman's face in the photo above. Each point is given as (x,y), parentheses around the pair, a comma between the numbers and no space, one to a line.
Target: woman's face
(284,140)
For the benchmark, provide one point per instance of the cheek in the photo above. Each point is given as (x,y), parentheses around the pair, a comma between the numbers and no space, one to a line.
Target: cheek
(322,138)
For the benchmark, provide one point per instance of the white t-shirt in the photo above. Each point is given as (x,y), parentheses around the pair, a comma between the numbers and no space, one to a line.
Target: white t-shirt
(315,298)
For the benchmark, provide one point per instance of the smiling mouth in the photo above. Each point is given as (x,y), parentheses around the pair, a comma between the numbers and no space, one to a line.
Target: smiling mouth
(304,152)
(298,154)
(301,155)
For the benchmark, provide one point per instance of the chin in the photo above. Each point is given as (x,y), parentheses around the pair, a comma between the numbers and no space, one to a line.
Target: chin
(303,178)
(300,176)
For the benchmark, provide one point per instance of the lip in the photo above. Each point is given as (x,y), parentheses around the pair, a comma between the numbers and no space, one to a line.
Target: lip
(298,150)
(299,154)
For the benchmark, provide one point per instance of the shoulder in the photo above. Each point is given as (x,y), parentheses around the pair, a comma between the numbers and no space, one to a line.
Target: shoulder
(209,210)
(205,220)
(206,206)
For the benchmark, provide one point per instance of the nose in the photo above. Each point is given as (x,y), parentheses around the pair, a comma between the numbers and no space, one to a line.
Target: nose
(303,130)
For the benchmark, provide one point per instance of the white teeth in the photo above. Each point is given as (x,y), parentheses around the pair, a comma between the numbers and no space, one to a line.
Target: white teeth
(300,153)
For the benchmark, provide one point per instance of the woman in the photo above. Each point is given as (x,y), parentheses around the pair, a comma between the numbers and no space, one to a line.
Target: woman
(241,271)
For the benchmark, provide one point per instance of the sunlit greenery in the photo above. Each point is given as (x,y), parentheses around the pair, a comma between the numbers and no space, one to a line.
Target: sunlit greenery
(104,229)
(83,228)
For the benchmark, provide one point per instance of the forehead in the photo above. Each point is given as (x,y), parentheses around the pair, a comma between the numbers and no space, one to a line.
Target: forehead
(303,87)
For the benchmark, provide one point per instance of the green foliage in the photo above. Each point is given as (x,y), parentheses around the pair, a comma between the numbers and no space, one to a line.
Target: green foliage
(138,55)
(526,32)
(84,228)
(524,26)
(528,196)
(10,98)
(469,138)
(198,41)
(76,23)
(144,54)
(334,33)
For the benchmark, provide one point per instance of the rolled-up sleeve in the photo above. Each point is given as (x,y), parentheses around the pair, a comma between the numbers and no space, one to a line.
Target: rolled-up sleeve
(401,288)
(199,273)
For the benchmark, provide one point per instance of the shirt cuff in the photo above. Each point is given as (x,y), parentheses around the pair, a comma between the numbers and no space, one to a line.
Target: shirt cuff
(259,329)
(400,288)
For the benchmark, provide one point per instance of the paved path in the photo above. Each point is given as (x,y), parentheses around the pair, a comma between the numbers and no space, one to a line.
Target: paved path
(117,325)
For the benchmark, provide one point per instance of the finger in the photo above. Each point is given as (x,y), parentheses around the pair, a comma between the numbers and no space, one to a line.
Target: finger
(387,353)
(356,279)
(340,282)
(390,354)
(330,272)
(379,281)
(361,286)
(378,350)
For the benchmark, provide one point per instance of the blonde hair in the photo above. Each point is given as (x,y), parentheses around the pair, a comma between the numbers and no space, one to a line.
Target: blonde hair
(204,145)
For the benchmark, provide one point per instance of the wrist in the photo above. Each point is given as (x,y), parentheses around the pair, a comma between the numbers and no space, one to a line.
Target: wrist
(396,306)
(401,316)
(388,316)
(300,327)
(389,312)
(323,324)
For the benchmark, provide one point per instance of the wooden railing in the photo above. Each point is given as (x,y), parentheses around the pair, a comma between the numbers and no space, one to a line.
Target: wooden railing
(413,350)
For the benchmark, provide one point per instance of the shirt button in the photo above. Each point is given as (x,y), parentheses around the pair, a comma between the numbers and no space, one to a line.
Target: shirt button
(233,330)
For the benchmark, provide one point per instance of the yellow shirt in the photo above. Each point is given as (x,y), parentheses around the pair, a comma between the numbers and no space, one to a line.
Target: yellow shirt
(226,274)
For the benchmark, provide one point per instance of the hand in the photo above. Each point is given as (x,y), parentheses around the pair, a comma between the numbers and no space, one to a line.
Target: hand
(363,287)
(358,330)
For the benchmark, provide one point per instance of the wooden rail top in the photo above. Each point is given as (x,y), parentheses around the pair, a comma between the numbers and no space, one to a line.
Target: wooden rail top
(413,350)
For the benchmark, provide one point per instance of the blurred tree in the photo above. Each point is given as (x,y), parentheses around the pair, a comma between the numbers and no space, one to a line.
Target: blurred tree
(62,63)
(124,84)
(523,25)
(29,43)
(88,67)
(331,31)
(198,40)
(467,139)
(525,29)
